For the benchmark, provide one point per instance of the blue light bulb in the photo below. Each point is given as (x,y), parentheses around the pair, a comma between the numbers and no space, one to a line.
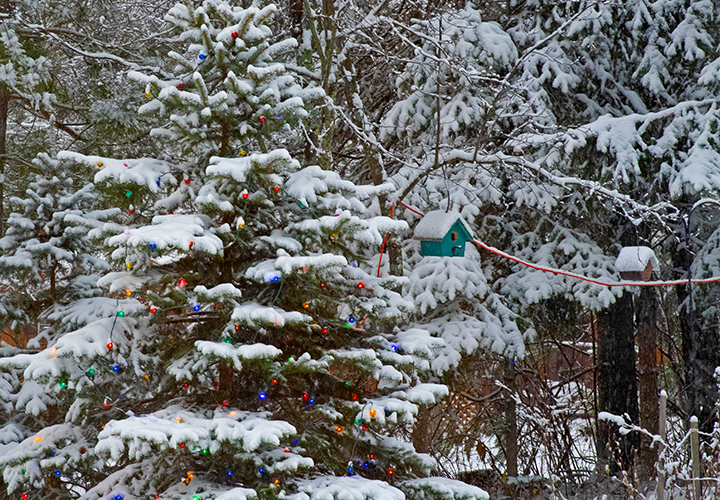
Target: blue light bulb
(201,56)
(58,473)
(116,368)
(393,347)
(275,278)
(262,395)
(312,400)
(157,182)
(118,497)
(262,470)
(351,320)
(229,473)
(152,244)
(350,469)
(365,465)
(196,307)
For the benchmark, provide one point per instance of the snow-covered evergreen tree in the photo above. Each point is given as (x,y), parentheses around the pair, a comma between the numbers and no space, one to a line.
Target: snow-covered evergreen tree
(242,348)
(46,252)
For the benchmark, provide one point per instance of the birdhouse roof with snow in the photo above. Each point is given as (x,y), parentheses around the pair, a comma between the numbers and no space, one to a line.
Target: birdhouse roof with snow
(636,263)
(436,225)
(635,259)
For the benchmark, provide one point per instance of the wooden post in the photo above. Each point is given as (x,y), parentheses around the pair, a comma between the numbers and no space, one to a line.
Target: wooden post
(695,455)
(660,488)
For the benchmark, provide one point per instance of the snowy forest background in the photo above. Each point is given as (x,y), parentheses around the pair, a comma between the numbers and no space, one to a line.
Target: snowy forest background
(209,283)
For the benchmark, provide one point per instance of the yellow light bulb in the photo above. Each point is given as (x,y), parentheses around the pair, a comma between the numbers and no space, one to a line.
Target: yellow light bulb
(129,265)
(38,439)
(373,412)
(128,293)
(148,95)
(99,164)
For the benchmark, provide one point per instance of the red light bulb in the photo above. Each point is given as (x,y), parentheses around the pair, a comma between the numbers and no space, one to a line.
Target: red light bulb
(109,345)
(276,189)
(361,285)
(187,181)
(153,309)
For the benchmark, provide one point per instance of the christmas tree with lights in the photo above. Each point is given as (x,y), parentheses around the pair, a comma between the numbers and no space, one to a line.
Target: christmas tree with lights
(243,346)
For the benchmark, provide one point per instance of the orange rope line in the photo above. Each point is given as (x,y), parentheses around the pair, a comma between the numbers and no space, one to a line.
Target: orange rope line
(584,278)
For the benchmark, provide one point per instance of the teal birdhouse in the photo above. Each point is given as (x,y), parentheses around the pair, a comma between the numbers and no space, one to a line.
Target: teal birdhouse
(442,234)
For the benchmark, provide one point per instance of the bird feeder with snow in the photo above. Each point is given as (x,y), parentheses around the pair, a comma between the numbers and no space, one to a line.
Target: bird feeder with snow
(636,263)
(442,234)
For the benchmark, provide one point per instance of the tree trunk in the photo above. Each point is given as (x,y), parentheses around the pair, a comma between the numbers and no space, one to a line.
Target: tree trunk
(700,353)
(4,100)
(226,378)
(617,384)
(511,430)
(5,8)
(647,378)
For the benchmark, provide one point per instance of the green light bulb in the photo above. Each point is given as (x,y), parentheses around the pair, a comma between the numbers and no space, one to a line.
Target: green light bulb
(128,193)
(121,314)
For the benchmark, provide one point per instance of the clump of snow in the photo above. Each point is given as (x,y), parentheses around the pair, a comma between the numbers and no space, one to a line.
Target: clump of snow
(449,489)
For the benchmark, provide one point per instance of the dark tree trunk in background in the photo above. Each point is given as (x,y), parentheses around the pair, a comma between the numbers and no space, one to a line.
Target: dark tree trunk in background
(617,383)
(5,8)
(700,386)
(647,377)
(295,12)
(511,430)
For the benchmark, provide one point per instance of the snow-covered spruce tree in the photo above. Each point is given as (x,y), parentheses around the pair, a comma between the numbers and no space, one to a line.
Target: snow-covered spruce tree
(46,254)
(242,350)
(47,262)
